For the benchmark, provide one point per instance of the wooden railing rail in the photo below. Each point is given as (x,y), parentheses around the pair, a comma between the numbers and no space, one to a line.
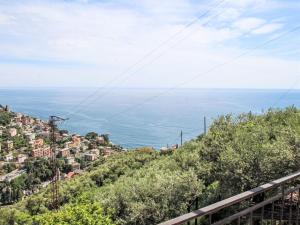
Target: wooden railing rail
(214,208)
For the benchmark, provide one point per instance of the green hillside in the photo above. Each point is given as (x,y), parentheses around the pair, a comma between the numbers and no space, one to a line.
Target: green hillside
(146,187)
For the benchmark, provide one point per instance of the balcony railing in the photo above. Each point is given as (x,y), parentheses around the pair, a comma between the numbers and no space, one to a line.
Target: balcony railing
(279,203)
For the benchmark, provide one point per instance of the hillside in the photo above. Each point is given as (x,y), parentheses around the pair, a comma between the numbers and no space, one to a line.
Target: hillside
(146,187)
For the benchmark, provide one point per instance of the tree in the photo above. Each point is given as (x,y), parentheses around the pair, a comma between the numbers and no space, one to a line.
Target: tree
(91,135)
(106,138)
(144,187)
(5,118)
(80,214)
(36,205)
(20,142)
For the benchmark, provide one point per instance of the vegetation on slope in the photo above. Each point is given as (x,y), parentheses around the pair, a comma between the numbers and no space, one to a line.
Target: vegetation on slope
(5,118)
(146,187)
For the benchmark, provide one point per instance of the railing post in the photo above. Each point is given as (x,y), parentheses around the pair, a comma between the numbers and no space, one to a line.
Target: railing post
(262,214)
(272,215)
(282,204)
(189,210)
(197,207)
(298,204)
(290,207)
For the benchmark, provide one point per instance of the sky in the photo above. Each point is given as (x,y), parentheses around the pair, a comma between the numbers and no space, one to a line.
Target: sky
(150,43)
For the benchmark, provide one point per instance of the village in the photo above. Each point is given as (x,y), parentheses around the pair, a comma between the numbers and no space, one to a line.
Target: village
(24,140)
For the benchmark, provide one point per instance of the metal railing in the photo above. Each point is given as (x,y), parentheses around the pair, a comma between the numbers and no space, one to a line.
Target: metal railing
(280,203)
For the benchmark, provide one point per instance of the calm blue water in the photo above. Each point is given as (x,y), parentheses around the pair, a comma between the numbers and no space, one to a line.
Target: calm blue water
(155,123)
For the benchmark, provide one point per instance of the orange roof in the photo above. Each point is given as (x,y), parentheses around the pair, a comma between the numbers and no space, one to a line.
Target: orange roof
(70,174)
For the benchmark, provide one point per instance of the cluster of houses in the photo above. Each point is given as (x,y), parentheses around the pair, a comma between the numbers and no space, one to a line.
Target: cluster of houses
(35,133)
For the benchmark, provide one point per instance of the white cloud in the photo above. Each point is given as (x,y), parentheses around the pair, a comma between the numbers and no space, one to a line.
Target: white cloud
(106,38)
(5,19)
(268,28)
(249,23)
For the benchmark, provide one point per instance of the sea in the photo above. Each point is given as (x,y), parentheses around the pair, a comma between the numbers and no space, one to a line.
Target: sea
(142,117)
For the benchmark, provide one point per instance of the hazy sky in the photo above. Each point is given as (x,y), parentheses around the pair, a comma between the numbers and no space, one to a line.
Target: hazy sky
(149,43)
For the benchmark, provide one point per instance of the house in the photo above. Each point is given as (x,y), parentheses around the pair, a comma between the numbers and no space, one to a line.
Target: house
(100,140)
(12,175)
(64,152)
(21,158)
(46,129)
(1,132)
(38,143)
(69,175)
(95,152)
(12,132)
(26,120)
(41,152)
(38,128)
(35,153)
(75,143)
(90,157)
(30,136)
(18,117)
(107,151)
(9,157)
(45,134)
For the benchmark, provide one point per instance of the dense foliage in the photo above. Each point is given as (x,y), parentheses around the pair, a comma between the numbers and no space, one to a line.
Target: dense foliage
(5,118)
(76,214)
(37,172)
(147,187)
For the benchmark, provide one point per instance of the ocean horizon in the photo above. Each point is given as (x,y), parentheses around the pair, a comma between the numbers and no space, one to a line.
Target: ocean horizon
(136,117)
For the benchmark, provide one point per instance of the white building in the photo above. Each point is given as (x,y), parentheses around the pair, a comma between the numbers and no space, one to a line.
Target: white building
(30,136)
(9,157)
(12,132)
(21,158)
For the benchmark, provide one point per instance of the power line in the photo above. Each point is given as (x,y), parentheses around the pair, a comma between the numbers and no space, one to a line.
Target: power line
(221,65)
(209,71)
(147,55)
(157,57)
(127,76)
(283,96)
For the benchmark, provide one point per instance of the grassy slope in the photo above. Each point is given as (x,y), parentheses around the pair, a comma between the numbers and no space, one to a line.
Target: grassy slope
(143,187)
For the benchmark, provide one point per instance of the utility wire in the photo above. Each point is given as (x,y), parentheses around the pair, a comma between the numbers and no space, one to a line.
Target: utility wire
(157,57)
(284,95)
(191,130)
(140,68)
(232,60)
(147,55)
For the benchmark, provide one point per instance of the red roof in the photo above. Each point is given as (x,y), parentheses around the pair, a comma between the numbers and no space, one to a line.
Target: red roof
(70,174)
